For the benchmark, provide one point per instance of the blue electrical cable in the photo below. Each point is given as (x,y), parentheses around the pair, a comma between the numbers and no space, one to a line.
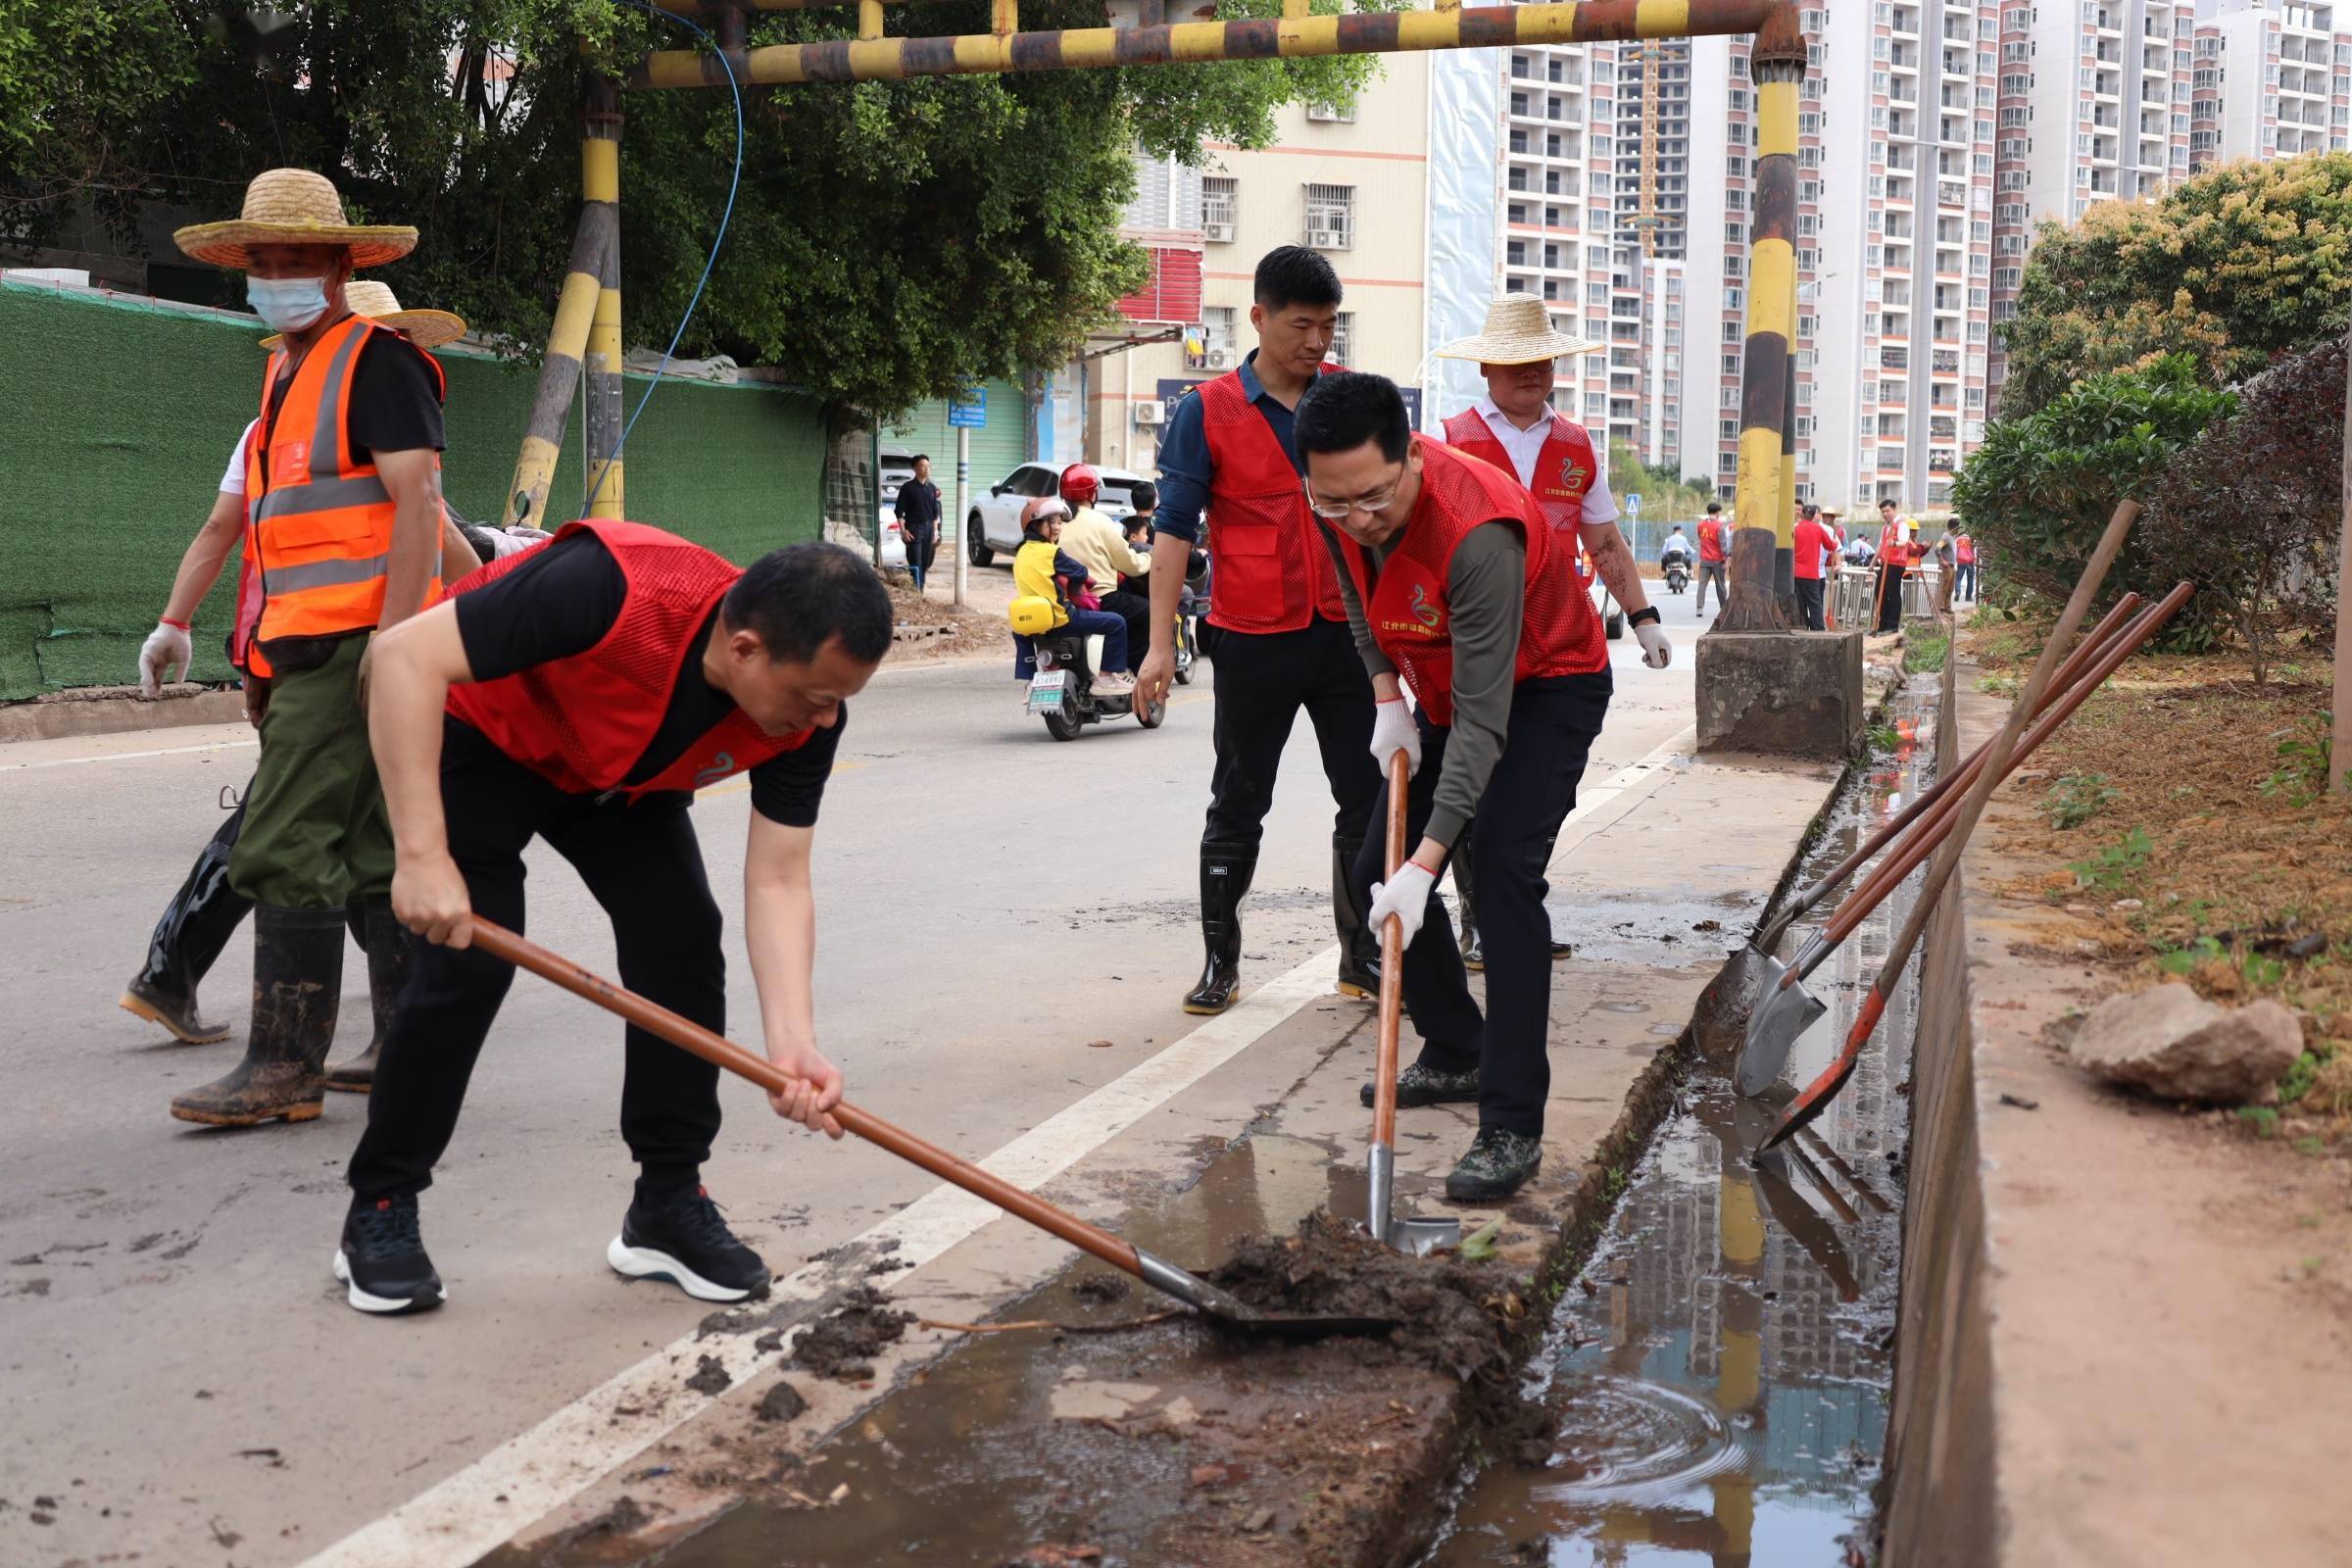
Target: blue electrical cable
(708,262)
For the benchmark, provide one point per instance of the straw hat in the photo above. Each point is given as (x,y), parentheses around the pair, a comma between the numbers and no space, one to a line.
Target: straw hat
(293,207)
(1518,332)
(427,330)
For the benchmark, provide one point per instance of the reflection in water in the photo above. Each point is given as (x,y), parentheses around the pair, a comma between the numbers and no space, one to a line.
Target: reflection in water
(1724,1365)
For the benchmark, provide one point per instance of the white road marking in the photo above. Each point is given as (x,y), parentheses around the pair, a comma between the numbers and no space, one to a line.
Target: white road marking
(523,1480)
(123,756)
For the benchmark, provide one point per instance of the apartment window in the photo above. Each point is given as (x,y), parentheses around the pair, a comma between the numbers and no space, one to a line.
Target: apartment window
(1331,217)
(1220,208)
(1343,338)
(1216,328)
(1731,364)
(1731,331)
(1330,114)
(1730,429)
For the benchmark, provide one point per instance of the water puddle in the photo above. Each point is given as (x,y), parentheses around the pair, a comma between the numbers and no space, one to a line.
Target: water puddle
(1725,1360)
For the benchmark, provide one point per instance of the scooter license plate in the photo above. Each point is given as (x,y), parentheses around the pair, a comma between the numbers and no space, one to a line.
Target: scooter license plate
(1046,689)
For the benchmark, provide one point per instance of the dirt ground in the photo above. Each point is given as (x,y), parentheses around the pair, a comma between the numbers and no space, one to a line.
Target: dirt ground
(932,631)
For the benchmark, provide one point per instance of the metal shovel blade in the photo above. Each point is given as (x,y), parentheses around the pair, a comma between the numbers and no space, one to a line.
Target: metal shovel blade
(1772,1032)
(1420,1237)
(1409,1234)
(1720,1022)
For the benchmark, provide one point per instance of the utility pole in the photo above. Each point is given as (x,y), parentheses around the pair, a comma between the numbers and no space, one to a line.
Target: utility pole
(2339,756)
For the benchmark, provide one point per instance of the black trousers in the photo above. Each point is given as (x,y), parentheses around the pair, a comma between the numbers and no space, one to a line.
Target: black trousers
(1530,792)
(1263,680)
(1808,602)
(1136,610)
(1891,597)
(644,866)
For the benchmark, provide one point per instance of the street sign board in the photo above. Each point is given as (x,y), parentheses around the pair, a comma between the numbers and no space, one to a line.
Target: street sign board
(968,410)
(1633,504)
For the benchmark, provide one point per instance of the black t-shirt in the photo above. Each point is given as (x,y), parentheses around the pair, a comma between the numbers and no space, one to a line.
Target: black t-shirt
(562,602)
(395,400)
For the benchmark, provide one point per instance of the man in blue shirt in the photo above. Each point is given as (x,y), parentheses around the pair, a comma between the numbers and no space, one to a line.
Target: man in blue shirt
(1283,640)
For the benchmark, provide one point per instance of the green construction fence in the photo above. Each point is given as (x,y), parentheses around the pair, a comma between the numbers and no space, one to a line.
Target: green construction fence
(121,412)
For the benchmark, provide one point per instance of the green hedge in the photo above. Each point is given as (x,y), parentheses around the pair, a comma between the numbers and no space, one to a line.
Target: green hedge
(122,415)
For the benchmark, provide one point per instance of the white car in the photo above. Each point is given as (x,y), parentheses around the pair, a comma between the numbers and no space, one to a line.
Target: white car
(995,523)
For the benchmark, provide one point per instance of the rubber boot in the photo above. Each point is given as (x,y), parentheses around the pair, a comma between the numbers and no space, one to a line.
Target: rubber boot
(391,953)
(1465,906)
(1225,873)
(196,925)
(1360,944)
(297,985)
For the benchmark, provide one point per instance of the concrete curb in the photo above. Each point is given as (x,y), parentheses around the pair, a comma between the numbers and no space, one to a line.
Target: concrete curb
(113,710)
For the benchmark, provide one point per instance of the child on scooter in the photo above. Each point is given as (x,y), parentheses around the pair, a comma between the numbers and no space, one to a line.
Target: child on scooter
(1041,570)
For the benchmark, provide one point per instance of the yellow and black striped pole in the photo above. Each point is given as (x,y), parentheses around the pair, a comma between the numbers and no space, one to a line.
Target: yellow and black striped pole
(873,58)
(601,175)
(1761,516)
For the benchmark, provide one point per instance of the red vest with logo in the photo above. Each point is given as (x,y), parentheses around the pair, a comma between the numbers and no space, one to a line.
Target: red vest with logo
(1410,620)
(1711,541)
(582,722)
(1564,469)
(1272,572)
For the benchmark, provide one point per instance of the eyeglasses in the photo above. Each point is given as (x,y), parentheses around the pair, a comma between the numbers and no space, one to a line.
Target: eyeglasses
(1338,510)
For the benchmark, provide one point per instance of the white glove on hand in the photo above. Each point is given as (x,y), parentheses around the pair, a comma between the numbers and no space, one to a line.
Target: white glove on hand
(163,657)
(1405,896)
(1657,650)
(1394,731)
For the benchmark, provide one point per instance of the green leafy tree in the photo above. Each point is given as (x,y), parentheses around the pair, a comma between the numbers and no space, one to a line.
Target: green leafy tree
(2241,264)
(891,239)
(2041,488)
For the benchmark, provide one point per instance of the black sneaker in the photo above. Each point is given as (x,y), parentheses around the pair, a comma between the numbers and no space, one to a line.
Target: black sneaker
(381,1261)
(1419,1085)
(681,1238)
(1498,1164)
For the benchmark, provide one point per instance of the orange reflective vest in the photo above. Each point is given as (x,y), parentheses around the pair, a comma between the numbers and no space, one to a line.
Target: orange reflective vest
(319,524)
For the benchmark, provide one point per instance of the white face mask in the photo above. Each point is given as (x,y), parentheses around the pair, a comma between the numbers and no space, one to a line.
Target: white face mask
(288,304)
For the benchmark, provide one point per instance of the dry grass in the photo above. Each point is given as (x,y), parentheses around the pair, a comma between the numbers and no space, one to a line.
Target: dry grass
(2206,857)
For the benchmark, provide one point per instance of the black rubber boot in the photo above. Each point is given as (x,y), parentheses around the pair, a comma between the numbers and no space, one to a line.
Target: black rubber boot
(1225,873)
(391,952)
(297,986)
(196,925)
(1360,944)
(1499,1162)
(1466,905)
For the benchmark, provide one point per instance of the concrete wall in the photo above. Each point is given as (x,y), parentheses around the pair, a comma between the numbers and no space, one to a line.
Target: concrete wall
(1941,1501)
(122,415)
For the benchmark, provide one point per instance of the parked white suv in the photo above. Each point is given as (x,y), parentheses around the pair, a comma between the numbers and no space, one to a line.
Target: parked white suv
(996,520)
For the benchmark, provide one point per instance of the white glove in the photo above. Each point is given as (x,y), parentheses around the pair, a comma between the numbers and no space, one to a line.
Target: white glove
(1657,650)
(1394,731)
(162,656)
(1405,896)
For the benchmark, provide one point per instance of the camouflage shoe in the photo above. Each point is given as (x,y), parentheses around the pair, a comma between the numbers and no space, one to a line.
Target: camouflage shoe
(1419,1085)
(1498,1164)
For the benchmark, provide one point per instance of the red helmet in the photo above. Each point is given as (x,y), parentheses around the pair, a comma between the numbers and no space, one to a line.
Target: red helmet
(1081,486)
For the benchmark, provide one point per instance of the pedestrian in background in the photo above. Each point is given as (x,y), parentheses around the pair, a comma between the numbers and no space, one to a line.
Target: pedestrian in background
(1894,556)
(1964,566)
(1714,549)
(918,513)
(1815,544)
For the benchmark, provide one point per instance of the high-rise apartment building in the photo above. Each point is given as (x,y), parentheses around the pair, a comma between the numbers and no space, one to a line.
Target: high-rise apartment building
(2273,79)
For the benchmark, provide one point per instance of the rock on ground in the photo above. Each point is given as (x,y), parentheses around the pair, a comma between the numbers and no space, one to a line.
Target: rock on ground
(2172,1042)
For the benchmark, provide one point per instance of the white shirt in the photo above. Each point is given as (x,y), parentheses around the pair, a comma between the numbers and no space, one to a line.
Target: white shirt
(232,483)
(1523,447)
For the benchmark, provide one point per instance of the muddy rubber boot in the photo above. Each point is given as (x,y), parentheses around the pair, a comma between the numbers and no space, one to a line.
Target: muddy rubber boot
(297,986)
(391,952)
(1465,911)
(1360,944)
(1225,873)
(196,925)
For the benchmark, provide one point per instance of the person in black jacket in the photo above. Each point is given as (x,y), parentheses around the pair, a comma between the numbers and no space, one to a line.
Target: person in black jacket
(918,519)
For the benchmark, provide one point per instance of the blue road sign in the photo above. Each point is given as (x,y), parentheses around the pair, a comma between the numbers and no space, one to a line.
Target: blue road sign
(968,410)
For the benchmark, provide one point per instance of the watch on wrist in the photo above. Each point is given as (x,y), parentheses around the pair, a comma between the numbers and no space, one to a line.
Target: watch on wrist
(1644,617)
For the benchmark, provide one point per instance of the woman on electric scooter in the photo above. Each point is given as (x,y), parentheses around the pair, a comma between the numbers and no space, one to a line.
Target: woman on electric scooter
(1041,570)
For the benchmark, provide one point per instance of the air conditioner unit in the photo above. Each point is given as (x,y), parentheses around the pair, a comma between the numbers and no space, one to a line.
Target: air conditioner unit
(1150,413)
(1219,358)
(1217,233)
(1327,239)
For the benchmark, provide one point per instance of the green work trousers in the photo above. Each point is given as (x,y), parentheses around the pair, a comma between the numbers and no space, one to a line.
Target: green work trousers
(317,835)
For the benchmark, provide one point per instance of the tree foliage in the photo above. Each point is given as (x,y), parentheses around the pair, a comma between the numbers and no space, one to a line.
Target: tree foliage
(1665,496)
(2243,263)
(2041,488)
(891,239)
(2252,510)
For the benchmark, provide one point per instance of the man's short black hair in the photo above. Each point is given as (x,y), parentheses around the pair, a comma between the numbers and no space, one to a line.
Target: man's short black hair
(923,457)
(800,597)
(1714,507)
(1143,495)
(1293,275)
(1345,409)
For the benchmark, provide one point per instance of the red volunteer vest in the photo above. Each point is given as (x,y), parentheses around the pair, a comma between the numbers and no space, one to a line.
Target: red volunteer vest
(1410,619)
(582,722)
(1272,572)
(1890,543)
(1564,471)
(1710,539)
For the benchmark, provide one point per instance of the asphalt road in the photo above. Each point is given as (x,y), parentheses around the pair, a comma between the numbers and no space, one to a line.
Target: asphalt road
(180,1376)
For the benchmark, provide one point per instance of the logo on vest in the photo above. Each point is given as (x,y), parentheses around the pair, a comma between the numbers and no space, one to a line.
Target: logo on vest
(1574,476)
(1426,619)
(722,766)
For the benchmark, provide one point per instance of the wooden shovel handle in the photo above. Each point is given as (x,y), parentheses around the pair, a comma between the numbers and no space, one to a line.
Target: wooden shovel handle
(684,1033)
(1392,964)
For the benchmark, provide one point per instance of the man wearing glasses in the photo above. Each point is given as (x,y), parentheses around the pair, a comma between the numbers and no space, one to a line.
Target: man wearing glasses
(1456,586)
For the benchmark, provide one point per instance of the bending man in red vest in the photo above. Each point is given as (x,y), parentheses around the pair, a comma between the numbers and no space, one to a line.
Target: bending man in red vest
(343,529)
(581,692)
(1459,589)
(1282,631)
(1515,428)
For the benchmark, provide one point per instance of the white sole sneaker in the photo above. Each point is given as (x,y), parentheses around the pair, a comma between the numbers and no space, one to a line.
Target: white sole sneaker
(384,1305)
(650,1263)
